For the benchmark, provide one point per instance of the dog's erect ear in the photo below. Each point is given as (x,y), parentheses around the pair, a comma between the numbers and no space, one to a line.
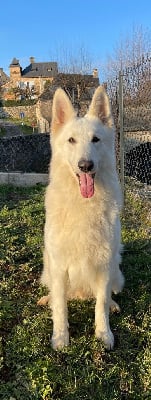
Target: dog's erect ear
(100,107)
(62,110)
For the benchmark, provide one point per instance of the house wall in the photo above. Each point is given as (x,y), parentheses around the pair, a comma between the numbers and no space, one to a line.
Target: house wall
(15,73)
(16,78)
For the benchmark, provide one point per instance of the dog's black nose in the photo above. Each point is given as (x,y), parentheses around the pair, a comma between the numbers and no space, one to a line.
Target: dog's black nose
(85,165)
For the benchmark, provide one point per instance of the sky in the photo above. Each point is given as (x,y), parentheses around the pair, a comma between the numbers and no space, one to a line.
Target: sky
(45,28)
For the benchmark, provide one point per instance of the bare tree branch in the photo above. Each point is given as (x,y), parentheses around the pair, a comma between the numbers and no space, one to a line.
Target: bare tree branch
(128,52)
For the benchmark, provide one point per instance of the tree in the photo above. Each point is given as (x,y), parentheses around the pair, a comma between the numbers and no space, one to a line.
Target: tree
(23,93)
(73,61)
(78,87)
(128,52)
(75,69)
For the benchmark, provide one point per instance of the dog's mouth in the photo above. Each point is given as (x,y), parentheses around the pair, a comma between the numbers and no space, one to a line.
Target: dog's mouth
(86,183)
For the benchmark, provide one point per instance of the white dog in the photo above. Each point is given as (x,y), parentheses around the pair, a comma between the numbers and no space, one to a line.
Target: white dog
(82,228)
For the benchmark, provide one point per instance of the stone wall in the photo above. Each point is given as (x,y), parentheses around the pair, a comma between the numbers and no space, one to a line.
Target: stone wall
(30,153)
(14,112)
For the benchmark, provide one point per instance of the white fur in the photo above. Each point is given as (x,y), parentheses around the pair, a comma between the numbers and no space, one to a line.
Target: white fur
(82,235)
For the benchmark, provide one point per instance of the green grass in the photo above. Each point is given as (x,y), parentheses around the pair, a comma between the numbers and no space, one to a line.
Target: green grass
(30,369)
(25,125)
(2,131)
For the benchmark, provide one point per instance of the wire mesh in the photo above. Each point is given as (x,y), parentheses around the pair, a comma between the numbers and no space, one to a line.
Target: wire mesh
(135,102)
(137,120)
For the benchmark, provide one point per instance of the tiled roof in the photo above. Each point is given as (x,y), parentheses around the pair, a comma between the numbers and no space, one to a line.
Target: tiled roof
(42,69)
(15,62)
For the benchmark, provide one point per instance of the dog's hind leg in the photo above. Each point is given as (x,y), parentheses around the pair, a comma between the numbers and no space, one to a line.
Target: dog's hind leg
(114,307)
(118,281)
(45,279)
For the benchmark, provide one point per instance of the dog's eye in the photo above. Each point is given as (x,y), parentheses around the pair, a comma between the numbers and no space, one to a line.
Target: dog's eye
(71,140)
(95,139)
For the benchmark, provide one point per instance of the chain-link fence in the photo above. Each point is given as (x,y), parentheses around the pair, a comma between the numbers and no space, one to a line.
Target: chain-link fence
(130,95)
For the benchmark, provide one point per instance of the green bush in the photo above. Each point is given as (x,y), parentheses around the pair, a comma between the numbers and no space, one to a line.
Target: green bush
(16,103)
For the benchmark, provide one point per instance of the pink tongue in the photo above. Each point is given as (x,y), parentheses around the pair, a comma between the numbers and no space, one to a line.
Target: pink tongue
(86,185)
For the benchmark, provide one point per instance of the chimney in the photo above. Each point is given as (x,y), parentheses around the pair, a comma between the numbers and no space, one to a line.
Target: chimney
(32,60)
(95,73)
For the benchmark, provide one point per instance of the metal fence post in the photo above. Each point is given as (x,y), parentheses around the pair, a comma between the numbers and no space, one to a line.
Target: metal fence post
(121,131)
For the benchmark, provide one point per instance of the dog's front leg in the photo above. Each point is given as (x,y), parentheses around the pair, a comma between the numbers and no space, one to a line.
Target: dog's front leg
(102,326)
(60,337)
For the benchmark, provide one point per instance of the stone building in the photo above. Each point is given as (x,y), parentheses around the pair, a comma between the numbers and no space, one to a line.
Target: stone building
(40,80)
(79,88)
(30,80)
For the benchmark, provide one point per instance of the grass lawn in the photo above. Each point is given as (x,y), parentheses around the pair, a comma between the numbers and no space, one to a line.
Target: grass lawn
(2,131)
(30,369)
(25,126)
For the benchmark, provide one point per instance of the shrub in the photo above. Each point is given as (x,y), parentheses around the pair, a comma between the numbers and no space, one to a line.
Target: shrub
(16,103)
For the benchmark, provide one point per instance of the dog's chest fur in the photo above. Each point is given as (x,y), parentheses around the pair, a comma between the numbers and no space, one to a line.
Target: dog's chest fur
(78,228)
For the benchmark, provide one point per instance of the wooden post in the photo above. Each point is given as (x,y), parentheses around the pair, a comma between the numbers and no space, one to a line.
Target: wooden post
(121,115)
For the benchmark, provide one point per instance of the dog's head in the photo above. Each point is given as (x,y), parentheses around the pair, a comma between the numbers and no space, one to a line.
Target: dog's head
(83,143)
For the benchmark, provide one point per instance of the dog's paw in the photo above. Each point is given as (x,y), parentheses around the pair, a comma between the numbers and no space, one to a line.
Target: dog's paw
(107,338)
(43,301)
(60,341)
(114,307)
(118,283)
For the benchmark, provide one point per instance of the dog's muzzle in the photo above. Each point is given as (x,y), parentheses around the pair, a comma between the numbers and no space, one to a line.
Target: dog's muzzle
(86,177)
